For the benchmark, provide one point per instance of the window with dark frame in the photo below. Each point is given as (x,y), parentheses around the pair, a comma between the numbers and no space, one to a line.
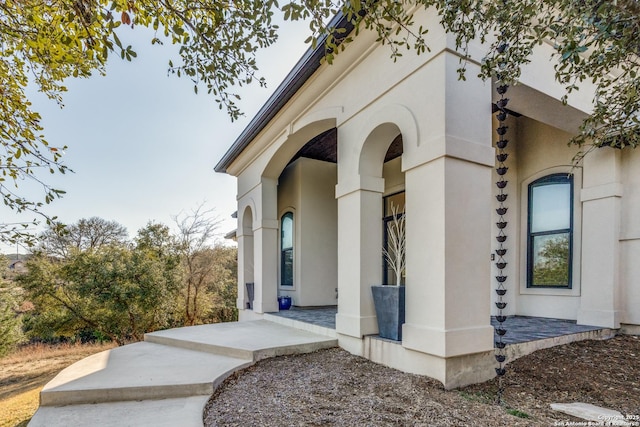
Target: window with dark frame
(286,249)
(550,232)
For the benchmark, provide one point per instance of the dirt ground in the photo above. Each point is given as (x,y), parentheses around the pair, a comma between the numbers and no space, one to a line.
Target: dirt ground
(332,387)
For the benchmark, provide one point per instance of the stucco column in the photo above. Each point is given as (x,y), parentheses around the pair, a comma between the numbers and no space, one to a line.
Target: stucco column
(265,245)
(601,195)
(245,247)
(359,254)
(449,214)
(448,267)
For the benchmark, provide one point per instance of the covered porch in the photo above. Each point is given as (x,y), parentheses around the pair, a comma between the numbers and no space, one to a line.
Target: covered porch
(525,334)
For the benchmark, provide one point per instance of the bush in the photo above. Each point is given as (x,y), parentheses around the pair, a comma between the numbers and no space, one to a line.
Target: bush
(10,321)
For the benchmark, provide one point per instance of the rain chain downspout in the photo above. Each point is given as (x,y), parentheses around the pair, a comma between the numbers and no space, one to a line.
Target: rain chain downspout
(500,108)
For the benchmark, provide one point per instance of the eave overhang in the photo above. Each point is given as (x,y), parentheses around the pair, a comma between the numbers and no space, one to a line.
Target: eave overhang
(298,76)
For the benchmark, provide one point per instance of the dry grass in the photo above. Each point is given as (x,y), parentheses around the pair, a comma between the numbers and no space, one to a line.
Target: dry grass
(25,372)
(16,411)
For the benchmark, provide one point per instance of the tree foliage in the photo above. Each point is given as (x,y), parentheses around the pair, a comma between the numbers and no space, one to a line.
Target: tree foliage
(552,262)
(156,237)
(223,288)
(86,234)
(91,283)
(196,230)
(10,319)
(596,41)
(98,285)
(45,42)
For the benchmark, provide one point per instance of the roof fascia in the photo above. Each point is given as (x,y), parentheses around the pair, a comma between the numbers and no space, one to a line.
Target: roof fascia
(298,76)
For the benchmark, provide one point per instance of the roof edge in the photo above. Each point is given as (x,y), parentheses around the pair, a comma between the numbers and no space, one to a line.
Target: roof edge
(298,76)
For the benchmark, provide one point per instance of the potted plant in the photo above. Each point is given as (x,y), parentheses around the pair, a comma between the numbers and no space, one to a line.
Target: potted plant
(389,298)
(284,302)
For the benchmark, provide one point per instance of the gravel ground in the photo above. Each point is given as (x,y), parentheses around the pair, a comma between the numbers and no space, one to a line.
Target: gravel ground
(333,387)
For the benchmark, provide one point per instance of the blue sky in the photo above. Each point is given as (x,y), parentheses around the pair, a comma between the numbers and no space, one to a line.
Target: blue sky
(142,144)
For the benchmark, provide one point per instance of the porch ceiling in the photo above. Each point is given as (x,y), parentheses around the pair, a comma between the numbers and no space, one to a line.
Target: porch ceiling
(325,147)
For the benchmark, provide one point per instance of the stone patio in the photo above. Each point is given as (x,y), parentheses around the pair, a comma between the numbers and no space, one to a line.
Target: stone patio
(520,329)
(320,316)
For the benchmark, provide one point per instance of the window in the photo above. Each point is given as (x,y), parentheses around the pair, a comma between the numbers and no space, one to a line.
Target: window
(550,232)
(396,200)
(286,250)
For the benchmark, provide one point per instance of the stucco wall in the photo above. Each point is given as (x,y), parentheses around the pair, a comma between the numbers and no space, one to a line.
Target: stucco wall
(630,238)
(319,228)
(289,190)
(536,150)
(307,188)
(446,167)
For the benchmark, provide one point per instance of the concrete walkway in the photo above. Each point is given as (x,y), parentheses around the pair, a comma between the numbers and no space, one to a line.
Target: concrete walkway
(167,379)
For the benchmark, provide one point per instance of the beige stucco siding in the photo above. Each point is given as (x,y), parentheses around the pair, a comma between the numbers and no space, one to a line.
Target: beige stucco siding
(307,189)
(630,238)
(319,228)
(535,150)
(447,169)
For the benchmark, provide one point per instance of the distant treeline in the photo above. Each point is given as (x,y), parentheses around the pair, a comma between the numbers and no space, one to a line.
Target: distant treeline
(92,282)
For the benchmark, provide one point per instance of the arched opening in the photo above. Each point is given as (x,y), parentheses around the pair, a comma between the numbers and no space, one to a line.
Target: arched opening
(393,208)
(381,157)
(371,166)
(245,246)
(307,218)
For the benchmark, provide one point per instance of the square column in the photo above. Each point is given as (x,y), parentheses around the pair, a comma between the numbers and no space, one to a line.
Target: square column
(449,214)
(448,248)
(601,196)
(359,256)
(245,268)
(265,246)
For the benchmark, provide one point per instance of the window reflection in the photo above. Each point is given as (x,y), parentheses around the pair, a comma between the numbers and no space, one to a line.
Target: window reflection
(550,228)
(551,260)
(551,207)
(286,250)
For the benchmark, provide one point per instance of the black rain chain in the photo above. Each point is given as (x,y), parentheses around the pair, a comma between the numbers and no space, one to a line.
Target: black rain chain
(500,108)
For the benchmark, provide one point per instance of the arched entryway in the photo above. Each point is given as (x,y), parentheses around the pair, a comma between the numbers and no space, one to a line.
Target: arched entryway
(246,285)
(308,229)
(367,181)
(296,188)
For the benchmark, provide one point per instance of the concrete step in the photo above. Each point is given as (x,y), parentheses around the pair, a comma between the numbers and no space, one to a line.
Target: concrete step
(139,371)
(183,412)
(167,379)
(255,339)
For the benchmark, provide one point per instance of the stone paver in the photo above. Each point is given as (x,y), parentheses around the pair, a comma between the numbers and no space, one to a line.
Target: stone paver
(520,329)
(322,316)
(523,328)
